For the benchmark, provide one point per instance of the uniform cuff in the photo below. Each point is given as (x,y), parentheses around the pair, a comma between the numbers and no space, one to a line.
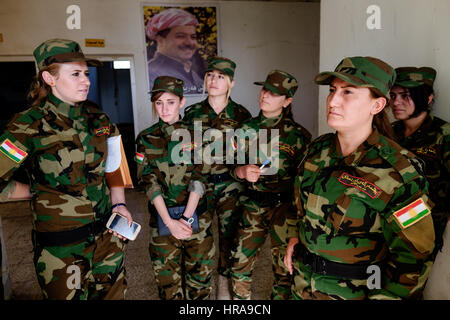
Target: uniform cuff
(198,187)
(153,192)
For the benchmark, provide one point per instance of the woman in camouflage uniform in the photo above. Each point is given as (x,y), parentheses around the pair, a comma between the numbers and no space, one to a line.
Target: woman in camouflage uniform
(183,258)
(425,135)
(220,112)
(365,229)
(267,202)
(61,141)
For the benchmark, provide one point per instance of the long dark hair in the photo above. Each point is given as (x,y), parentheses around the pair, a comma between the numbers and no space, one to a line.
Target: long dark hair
(419,95)
(39,89)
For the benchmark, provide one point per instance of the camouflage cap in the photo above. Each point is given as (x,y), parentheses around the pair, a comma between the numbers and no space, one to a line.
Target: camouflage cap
(167,84)
(365,72)
(281,83)
(221,64)
(410,77)
(60,50)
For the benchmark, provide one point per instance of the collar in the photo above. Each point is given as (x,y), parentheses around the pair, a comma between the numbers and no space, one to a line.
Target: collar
(63,108)
(226,113)
(356,156)
(269,122)
(167,129)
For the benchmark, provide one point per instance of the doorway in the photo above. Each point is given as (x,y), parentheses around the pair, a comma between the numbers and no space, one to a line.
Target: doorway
(110,89)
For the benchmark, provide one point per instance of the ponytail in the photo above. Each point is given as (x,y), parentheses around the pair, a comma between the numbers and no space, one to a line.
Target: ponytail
(287,112)
(383,125)
(39,89)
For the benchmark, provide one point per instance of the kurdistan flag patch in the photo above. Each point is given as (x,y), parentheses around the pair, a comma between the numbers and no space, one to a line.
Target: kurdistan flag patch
(139,157)
(12,151)
(412,213)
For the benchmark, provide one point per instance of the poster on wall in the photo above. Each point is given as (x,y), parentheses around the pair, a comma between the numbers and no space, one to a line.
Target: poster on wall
(179,41)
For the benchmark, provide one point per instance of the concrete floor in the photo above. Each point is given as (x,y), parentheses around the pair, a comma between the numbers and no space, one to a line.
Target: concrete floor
(16,220)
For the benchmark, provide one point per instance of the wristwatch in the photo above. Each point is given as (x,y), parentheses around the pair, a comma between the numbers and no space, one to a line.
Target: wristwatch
(189,220)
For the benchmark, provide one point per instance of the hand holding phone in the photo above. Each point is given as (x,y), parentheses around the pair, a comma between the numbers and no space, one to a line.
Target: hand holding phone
(119,224)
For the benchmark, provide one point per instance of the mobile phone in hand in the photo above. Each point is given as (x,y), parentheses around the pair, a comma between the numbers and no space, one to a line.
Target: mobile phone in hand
(119,224)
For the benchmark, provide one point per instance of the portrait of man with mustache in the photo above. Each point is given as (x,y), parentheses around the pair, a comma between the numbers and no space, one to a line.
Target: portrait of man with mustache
(174,31)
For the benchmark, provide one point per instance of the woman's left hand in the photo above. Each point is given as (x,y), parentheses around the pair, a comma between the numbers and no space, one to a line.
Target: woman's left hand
(122,210)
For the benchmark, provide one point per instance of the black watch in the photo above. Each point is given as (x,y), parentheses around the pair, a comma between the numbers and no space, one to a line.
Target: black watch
(189,220)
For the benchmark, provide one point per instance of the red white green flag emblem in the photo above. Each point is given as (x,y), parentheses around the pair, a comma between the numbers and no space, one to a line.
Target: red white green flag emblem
(412,213)
(12,151)
(139,157)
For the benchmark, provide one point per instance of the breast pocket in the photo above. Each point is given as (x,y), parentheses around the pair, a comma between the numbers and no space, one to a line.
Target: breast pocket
(356,213)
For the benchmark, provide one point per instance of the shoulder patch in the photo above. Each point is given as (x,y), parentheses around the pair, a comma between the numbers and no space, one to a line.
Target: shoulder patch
(412,213)
(139,157)
(12,151)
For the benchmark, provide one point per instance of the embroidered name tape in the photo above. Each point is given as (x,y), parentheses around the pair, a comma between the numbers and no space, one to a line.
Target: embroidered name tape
(359,183)
(412,213)
(286,148)
(102,131)
(12,151)
(426,151)
(139,157)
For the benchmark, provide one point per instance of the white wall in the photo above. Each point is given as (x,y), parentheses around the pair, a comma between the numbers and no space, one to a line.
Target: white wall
(413,32)
(259,36)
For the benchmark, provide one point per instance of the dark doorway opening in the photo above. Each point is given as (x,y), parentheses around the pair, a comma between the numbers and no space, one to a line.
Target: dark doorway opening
(14,85)
(111,90)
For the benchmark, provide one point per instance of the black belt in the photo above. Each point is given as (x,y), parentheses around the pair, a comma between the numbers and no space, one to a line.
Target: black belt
(218,178)
(50,239)
(326,267)
(266,199)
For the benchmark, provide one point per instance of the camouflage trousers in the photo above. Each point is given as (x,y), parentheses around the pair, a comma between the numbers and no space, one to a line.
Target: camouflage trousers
(86,270)
(183,268)
(256,223)
(223,199)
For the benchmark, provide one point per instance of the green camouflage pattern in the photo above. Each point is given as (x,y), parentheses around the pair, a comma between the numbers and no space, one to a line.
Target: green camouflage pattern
(175,261)
(167,84)
(158,173)
(232,117)
(100,260)
(281,83)
(193,257)
(67,152)
(353,223)
(223,197)
(293,139)
(410,77)
(257,221)
(365,72)
(431,143)
(223,65)
(60,50)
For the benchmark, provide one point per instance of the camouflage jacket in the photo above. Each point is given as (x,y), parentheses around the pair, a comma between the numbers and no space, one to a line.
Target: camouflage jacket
(431,143)
(292,142)
(230,118)
(163,175)
(64,150)
(346,210)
